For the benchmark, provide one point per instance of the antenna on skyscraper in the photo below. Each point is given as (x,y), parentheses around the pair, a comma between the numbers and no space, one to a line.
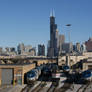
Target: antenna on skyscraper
(52,13)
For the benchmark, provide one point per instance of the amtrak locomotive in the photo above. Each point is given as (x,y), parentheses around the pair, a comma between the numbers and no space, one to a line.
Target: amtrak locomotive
(34,74)
(66,68)
(86,75)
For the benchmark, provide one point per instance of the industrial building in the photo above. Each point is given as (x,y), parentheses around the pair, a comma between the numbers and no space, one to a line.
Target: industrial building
(14,74)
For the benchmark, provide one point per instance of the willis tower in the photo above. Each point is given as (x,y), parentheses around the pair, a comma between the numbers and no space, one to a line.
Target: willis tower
(53,49)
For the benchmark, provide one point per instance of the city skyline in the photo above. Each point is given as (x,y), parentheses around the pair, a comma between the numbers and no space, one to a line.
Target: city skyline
(28,21)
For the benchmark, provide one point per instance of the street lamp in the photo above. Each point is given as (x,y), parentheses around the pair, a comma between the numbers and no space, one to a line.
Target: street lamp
(69,25)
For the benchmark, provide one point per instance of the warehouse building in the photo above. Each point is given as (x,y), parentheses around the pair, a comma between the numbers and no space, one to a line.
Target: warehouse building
(14,74)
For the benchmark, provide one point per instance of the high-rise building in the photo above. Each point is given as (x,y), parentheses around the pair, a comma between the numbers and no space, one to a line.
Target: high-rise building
(32,52)
(61,41)
(41,50)
(53,49)
(21,48)
(78,47)
(48,49)
(89,45)
(74,48)
(7,49)
(1,50)
(28,48)
(83,48)
(67,47)
(12,49)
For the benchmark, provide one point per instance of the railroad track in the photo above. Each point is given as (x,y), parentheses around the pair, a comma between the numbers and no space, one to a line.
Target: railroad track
(53,87)
(39,87)
(83,87)
(64,88)
(26,88)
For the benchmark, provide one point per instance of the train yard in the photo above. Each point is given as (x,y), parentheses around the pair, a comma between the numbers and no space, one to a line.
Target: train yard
(50,78)
(62,87)
(49,87)
(55,82)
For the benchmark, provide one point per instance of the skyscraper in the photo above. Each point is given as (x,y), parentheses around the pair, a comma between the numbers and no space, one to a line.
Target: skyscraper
(78,47)
(61,41)
(89,45)
(53,49)
(67,47)
(21,48)
(83,48)
(41,50)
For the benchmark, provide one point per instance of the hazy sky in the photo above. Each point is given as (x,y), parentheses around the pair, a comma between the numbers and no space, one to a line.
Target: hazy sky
(27,21)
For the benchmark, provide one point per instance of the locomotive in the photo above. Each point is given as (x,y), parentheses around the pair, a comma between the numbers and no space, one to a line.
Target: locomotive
(34,74)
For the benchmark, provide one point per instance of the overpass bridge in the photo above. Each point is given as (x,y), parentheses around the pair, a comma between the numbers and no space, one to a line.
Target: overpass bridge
(20,59)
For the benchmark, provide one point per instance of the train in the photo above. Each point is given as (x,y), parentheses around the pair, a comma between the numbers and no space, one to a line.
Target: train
(86,75)
(55,73)
(65,68)
(34,74)
(51,70)
(46,71)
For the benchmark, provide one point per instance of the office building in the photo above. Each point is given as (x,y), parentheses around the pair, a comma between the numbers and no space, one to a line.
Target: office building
(61,41)
(53,49)
(1,50)
(12,49)
(67,47)
(28,48)
(78,47)
(32,52)
(74,48)
(41,50)
(21,48)
(83,48)
(89,45)
(7,49)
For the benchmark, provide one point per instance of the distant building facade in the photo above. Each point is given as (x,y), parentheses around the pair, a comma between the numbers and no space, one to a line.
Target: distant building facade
(32,52)
(61,41)
(1,50)
(21,48)
(89,45)
(41,50)
(7,49)
(26,50)
(67,47)
(78,46)
(12,49)
(83,48)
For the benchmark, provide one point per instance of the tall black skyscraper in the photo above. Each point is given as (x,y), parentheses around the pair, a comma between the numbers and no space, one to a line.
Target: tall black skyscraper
(41,50)
(53,49)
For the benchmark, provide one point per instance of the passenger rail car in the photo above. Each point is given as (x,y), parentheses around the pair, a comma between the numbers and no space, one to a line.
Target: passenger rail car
(33,75)
(66,68)
(86,75)
(55,73)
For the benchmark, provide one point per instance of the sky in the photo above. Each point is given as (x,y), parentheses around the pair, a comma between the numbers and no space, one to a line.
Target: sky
(27,21)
